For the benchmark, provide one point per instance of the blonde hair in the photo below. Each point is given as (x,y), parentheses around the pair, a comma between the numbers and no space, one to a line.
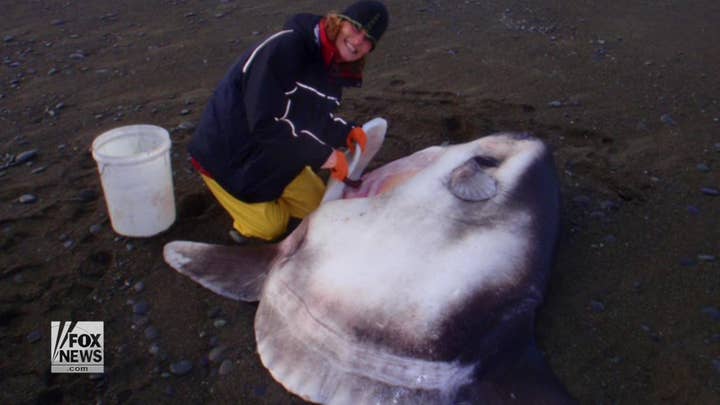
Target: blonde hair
(333,23)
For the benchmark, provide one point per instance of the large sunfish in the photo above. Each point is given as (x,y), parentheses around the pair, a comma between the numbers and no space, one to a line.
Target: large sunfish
(420,287)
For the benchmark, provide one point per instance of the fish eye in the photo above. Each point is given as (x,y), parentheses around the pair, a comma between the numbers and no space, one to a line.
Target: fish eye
(486,161)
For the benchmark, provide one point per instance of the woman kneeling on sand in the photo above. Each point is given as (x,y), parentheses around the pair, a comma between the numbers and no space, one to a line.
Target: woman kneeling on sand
(270,124)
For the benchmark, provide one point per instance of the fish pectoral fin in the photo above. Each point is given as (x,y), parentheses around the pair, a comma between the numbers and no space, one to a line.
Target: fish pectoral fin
(470,182)
(235,272)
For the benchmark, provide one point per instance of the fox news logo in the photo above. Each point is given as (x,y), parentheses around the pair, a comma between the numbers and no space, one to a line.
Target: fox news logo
(76,347)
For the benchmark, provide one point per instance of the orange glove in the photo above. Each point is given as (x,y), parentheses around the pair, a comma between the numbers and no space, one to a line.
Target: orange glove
(357,137)
(338,165)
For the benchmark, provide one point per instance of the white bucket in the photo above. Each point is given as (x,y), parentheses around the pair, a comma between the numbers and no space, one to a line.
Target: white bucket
(134,166)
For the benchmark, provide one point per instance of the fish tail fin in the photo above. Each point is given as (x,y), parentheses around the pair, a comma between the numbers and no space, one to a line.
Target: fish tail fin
(235,272)
(527,380)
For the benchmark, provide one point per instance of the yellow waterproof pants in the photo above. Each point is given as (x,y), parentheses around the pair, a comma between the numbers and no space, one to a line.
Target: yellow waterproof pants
(269,220)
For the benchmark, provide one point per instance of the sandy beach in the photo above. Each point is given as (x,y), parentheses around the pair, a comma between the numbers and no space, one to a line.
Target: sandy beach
(627,95)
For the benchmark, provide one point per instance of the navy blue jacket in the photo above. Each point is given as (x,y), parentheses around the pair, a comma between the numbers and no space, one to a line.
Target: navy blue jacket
(272,115)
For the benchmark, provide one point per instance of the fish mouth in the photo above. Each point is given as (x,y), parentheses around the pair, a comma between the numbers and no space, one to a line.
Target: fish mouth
(377,185)
(386,178)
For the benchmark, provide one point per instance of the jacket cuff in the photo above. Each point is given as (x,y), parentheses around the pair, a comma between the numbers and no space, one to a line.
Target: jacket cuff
(319,157)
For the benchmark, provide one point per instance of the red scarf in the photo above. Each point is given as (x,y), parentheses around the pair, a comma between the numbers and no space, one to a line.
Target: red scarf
(328,48)
(329,53)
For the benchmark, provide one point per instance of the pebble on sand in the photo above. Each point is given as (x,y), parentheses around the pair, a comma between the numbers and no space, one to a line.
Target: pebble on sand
(667,119)
(141,308)
(581,200)
(597,306)
(712,312)
(27,199)
(186,126)
(25,156)
(706,258)
(214,341)
(226,367)
(691,209)
(77,55)
(96,376)
(140,320)
(216,354)
(34,336)
(154,349)
(151,333)
(181,367)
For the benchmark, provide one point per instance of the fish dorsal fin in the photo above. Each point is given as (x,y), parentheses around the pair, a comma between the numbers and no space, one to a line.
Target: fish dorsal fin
(235,272)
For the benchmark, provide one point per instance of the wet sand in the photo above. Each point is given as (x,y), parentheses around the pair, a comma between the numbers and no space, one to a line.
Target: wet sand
(627,96)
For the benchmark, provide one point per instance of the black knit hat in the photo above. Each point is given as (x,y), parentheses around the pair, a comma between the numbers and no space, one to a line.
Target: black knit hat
(372,16)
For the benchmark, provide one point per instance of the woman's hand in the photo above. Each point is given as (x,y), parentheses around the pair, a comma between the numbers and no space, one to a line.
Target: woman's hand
(357,137)
(338,165)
